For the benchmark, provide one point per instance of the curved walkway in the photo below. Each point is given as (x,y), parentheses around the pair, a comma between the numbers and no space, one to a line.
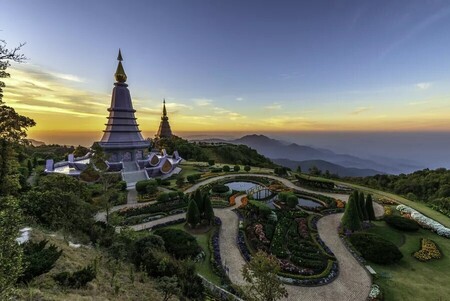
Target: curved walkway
(353,281)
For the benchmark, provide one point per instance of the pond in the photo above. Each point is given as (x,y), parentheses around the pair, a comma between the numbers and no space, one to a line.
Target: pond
(245,186)
(301,201)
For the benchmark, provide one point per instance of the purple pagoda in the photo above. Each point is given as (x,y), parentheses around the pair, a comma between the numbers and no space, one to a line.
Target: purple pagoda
(122,140)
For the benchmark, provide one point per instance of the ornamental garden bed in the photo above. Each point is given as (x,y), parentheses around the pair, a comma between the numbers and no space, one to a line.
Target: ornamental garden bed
(304,258)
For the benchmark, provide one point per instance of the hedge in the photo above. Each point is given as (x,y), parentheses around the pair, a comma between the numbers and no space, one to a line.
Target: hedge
(375,248)
(401,223)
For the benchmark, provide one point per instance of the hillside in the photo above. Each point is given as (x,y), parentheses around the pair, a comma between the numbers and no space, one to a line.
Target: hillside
(276,149)
(324,166)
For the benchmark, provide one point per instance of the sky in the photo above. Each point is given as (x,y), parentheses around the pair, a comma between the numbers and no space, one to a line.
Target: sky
(232,66)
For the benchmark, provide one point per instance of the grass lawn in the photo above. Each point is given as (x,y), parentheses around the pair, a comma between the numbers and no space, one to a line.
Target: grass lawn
(411,279)
(203,268)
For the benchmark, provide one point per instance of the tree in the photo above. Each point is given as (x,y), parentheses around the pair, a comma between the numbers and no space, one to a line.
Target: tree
(299,169)
(80,151)
(351,220)
(226,168)
(358,205)
(362,206)
(180,181)
(13,131)
(192,215)
(369,208)
(247,168)
(261,274)
(211,162)
(208,213)
(34,161)
(11,254)
(236,168)
(314,171)
(168,286)
(29,166)
(198,198)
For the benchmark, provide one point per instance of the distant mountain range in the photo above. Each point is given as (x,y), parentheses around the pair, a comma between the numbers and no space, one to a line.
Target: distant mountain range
(292,154)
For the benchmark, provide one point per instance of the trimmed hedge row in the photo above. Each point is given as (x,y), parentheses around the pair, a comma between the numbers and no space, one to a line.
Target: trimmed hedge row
(375,248)
(401,223)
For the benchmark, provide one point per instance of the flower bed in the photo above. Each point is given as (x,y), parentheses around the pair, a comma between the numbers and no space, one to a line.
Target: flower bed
(428,251)
(424,221)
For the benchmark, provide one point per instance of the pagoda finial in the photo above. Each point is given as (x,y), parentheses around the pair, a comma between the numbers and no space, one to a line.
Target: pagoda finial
(120,74)
(164,108)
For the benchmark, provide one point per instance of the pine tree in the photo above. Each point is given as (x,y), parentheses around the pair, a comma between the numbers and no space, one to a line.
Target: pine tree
(362,204)
(355,195)
(198,198)
(209,211)
(351,220)
(30,166)
(369,208)
(192,215)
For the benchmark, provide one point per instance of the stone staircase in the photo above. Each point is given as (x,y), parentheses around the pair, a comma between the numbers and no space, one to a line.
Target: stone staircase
(132,177)
(130,166)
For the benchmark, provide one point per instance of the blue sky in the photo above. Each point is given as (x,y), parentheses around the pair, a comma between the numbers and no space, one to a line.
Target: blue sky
(237,65)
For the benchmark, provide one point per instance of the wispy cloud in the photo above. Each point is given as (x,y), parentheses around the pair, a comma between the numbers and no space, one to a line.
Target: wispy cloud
(68,77)
(239,98)
(360,110)
(424,85)
(203,102)
(274,106)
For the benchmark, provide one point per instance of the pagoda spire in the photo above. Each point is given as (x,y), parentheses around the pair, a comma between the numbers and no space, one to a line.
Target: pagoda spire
(164,108)
(120,75)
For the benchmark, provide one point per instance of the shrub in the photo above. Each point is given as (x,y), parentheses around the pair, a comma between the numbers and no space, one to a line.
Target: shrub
(375,248)
(211,162)
(351,220)
(247,168)
(236,168)
(292,201)
(402,223)
(220,188)
(226,168)
(193,214)
(121,185)
(147,186)
(38,259)
(163,198)
(193,178)
(77,279)
(179,243)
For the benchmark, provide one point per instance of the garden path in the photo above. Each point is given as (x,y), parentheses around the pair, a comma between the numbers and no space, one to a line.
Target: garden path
(353,281)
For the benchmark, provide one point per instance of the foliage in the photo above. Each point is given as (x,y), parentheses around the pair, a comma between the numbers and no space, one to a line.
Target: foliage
(11,254)
(90,174)
(424,221)
(168,286)
(193,214)
(280,171)
(192,179)
(76,279)
(362,206)
(351,220)
(261,275)
(247,168)
(180,181)
(146,187)
(429,186)
(226,168)
(236,168)
(220,188)
(369,208)
(211,162)
(402,223)
(179,243)
(292,201)
(428,250)
(321,185)
(208,213)
(38,259)
(375,248)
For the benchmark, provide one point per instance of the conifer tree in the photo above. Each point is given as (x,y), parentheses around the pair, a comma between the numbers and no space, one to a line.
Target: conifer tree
(362,204)
(192,215)
(355,195)
(198,198)
(351,220)
(369,208)
(209,211)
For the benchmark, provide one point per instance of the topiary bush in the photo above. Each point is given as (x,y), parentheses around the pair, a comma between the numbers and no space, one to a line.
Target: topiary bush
(402,223)
(179,243)
(220,188)
(38,259)
(375,248)
(226,168)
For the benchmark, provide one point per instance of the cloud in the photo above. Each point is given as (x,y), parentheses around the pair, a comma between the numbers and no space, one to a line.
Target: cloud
(274,106)
(417,103)
(424,85)
(68,77)
(239,98)
(360,110)
(203,102)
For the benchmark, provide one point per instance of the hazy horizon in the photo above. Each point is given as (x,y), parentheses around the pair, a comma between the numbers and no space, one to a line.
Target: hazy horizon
(426,149)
